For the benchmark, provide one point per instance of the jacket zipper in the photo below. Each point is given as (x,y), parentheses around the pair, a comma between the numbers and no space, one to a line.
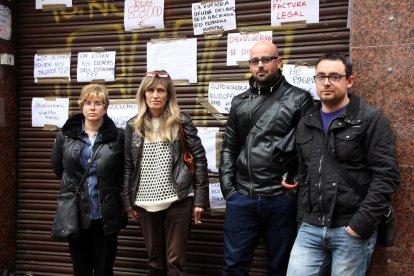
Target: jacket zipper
(248,146)
(320,193)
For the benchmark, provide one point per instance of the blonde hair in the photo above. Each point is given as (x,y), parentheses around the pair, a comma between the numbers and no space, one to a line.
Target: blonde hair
(168,128)
(94,90)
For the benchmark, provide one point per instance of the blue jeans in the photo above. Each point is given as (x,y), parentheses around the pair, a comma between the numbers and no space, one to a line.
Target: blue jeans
(317,248)
(249,219)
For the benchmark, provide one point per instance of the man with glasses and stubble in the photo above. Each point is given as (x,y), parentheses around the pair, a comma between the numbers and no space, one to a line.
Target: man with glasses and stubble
(258,154)
(345,146)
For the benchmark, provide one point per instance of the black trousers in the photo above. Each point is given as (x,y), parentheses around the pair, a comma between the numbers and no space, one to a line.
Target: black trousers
(165,235)
(93,253)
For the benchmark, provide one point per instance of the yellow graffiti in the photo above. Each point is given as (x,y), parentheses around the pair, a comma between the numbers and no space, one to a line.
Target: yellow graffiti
(104,7)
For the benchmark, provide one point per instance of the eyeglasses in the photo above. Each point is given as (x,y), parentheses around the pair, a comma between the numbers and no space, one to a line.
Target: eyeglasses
(332,78)
(160,74)
(94,104)
(264,60)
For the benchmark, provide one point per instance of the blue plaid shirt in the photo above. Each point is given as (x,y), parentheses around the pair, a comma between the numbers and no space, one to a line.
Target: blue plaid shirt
(92,182)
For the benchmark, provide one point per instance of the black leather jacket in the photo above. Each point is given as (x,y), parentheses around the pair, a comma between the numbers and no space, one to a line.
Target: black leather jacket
(363,143)
(109,161)
(183,181)
(254,162)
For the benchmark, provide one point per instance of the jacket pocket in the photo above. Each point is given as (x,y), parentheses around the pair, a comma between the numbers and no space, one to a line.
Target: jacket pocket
(349,144)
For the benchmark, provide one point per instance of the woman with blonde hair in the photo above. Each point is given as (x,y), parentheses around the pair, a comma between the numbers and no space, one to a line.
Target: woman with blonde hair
(159,189)
(93,252)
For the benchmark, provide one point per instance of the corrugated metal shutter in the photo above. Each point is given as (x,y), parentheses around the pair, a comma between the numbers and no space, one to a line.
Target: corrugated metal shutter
(100,23)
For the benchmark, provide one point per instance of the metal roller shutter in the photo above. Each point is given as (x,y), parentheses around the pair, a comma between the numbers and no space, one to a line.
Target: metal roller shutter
(100,23)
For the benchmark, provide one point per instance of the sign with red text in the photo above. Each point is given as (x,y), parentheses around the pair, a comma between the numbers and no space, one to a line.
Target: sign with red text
(302,77)
(238,45)
(96,66)
(142,14)
(5,22)
(284,11)
(213,16)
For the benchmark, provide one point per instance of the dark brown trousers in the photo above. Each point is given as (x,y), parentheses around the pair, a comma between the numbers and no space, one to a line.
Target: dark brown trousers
(165,235)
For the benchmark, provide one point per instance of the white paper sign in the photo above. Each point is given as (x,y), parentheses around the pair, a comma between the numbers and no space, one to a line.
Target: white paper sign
(120,111)
(140,14)
(177,57)
(239,45)
(52,66)
(293,10)
(302,77)
(5,23)
(208,138)
(96,66)
(220,94)
(213,16)
(40,3)
(216,197)
(49,112)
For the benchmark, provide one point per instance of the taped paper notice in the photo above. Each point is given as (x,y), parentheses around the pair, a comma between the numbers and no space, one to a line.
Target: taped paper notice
(121,110)
(217,200)
(176,56)
(239,45)
(284,11)
(54,66)
(96,66)
(41,4)
(302,77)
(53,112)
(213,16)
(220,94)
(143,15)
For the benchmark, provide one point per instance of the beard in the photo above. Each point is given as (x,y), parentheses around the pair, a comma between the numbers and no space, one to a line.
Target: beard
(267,80)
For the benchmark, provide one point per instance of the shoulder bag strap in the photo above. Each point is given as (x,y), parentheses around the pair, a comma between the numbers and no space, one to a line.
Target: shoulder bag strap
(182,137)
(267,102)
(342,172)
(88,167)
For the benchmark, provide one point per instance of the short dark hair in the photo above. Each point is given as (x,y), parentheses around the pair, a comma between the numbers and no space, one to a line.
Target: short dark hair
(337,56)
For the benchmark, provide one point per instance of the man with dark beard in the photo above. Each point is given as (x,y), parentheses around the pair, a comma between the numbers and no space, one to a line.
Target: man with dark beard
(338,223)
(258,150)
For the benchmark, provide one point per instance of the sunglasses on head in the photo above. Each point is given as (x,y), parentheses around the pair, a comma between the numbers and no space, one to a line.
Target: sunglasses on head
(160,74)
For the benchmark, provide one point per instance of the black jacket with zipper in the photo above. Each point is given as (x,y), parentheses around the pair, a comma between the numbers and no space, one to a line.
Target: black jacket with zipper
(183,181)
(109,169)
(362,141)
(253,163)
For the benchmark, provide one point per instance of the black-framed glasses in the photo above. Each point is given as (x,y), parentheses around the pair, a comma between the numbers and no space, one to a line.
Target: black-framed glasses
(332,78)
(160,74)
(264,60)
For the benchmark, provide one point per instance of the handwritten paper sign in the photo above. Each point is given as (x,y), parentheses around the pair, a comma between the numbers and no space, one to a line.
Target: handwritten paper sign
(96,66)
(52,66)
(302,77)
(141,14)
(220,94)
(292,10)
(5,23)
(213,16)
(53,112)
(217,200)
(121,110)
(41,3)
(238,45)
(177,57)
